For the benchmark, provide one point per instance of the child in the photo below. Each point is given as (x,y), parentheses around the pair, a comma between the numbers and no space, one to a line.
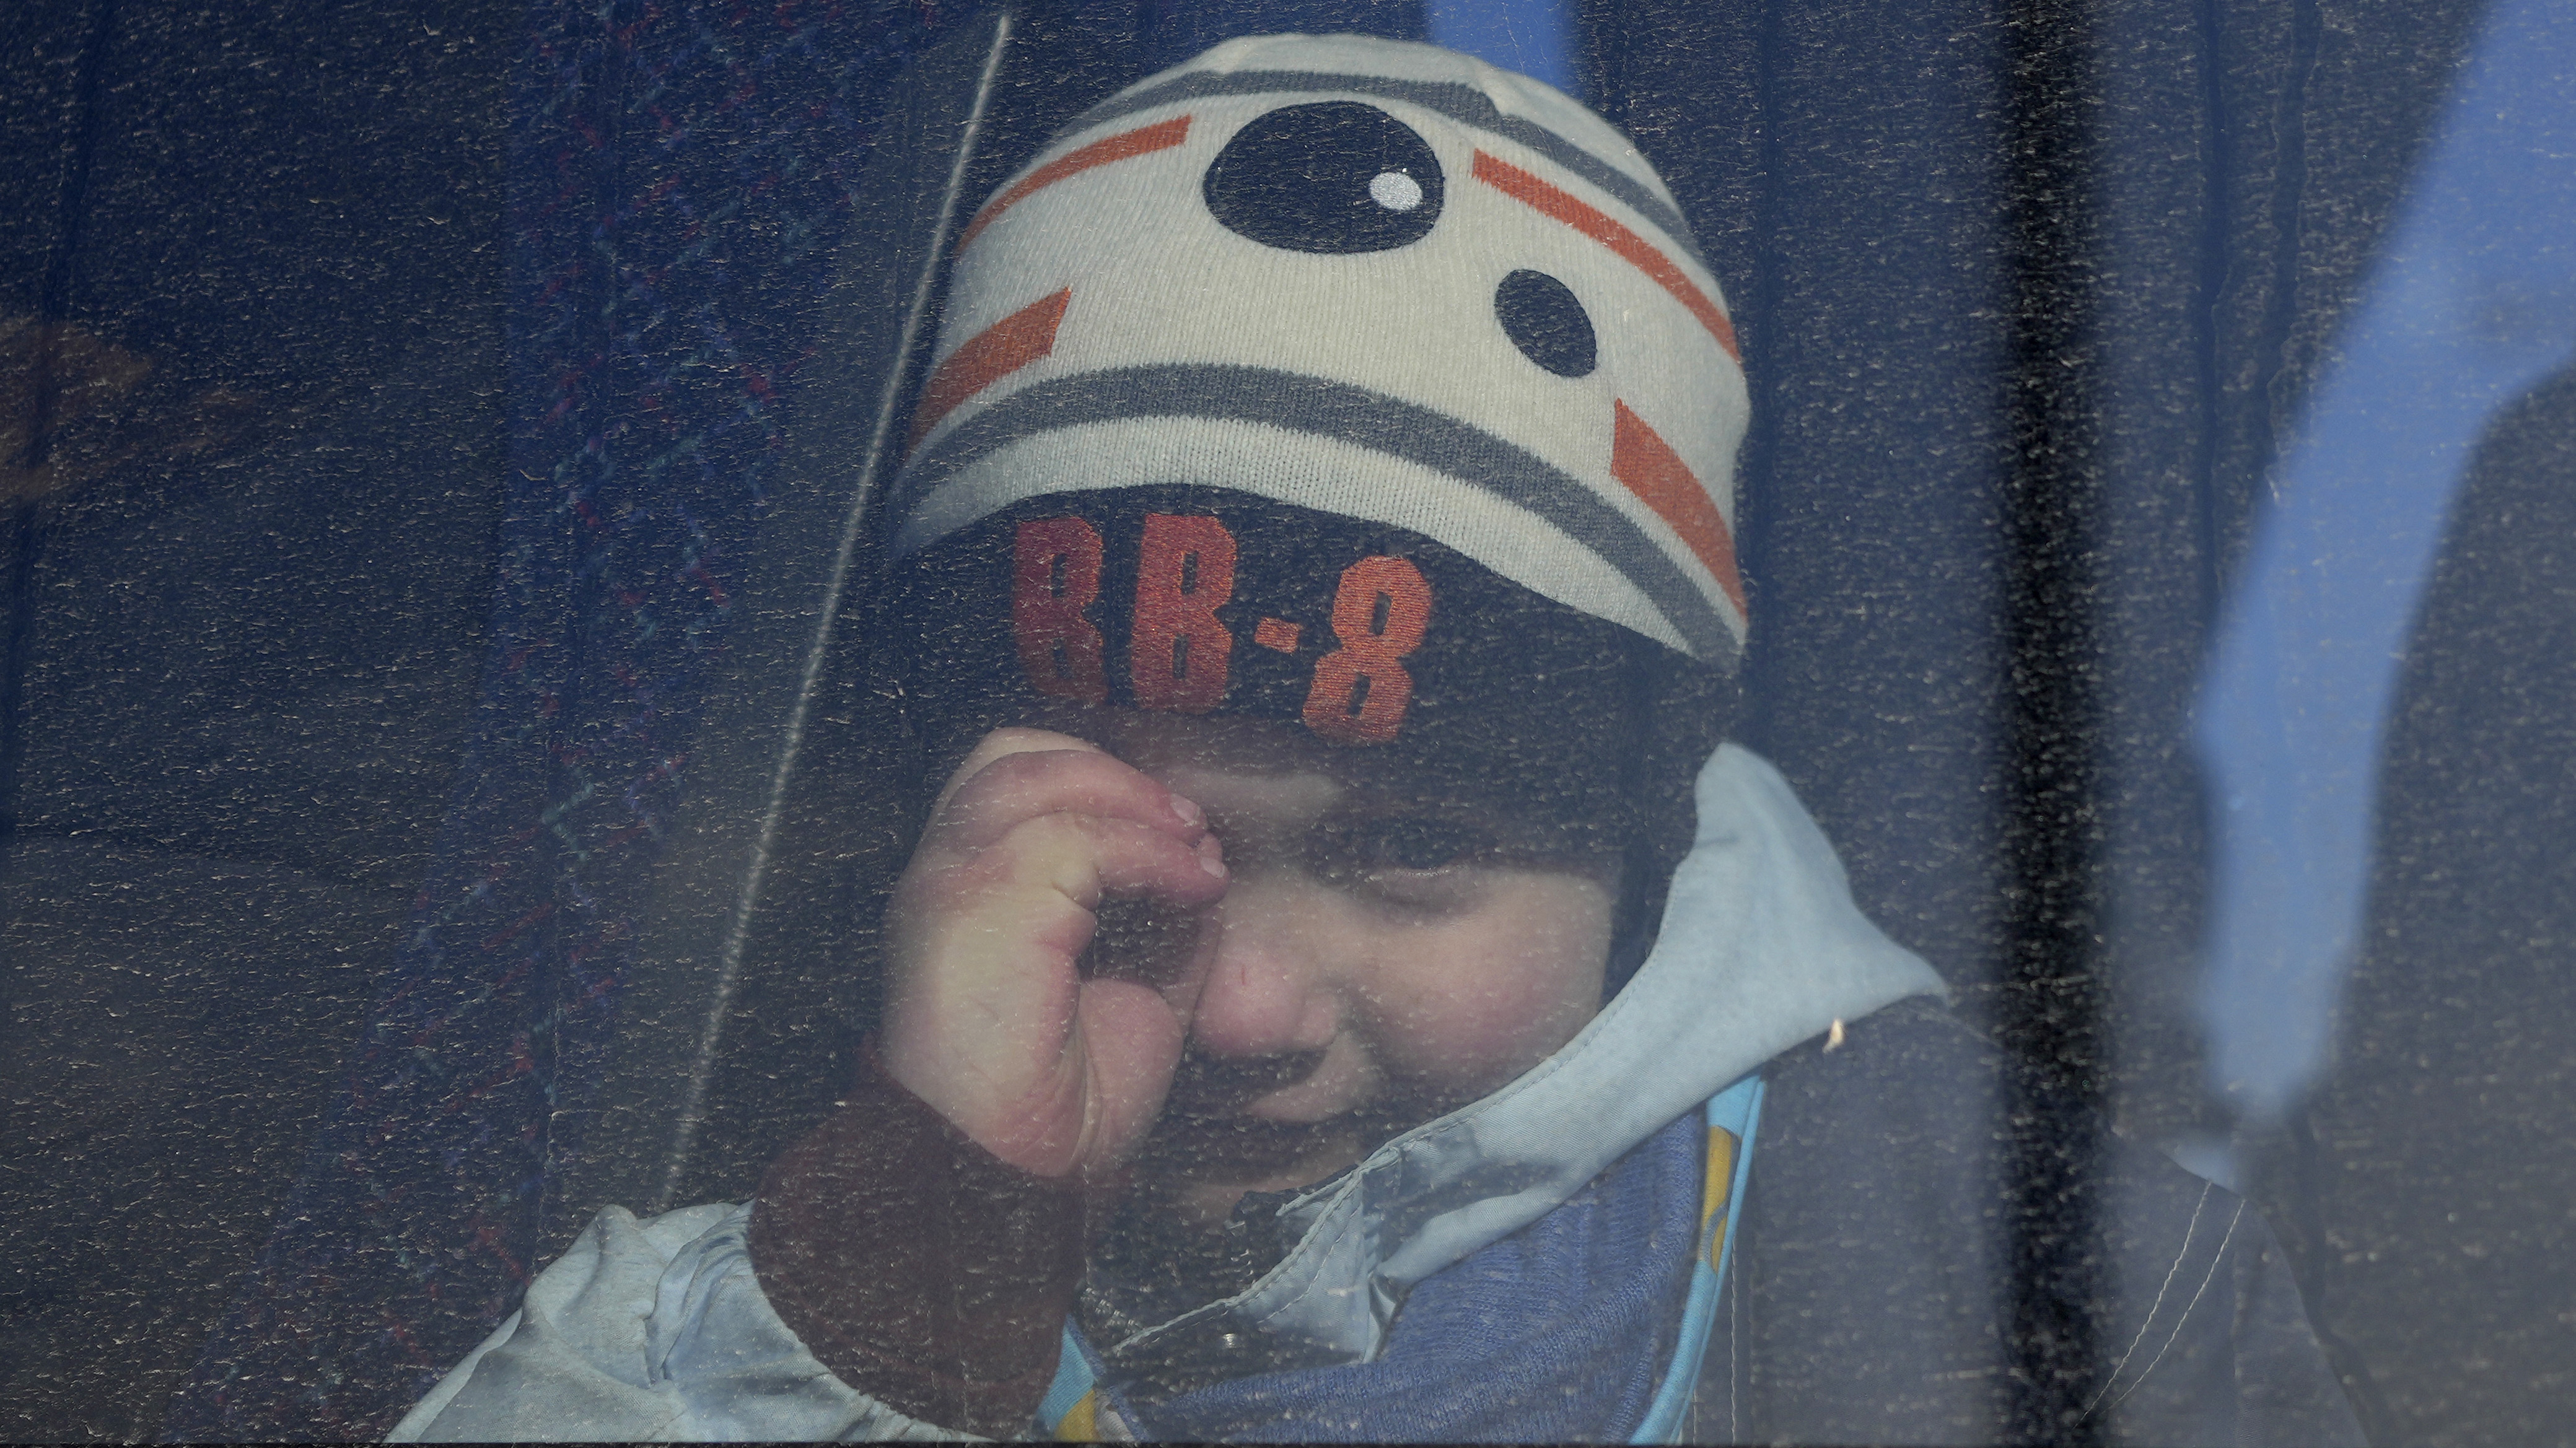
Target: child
(1342,985)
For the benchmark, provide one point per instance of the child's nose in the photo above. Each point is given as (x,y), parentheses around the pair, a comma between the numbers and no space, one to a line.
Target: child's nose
(1269,991)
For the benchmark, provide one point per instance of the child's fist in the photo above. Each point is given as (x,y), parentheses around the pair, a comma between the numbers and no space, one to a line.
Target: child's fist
(989,1017)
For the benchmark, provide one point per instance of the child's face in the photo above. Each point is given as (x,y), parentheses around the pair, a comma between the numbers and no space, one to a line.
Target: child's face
(1381,953)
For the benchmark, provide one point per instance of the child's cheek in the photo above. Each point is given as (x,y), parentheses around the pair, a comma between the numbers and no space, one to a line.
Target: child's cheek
(1473,1002)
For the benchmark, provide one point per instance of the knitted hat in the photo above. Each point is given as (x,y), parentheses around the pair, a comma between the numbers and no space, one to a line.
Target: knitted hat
(1351,383)
(1369,278)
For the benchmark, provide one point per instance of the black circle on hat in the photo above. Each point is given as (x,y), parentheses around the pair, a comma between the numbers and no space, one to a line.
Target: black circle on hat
(1547,322)
(1331,177)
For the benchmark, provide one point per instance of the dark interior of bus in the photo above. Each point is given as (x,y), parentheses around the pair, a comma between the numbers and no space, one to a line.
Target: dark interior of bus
(426,426)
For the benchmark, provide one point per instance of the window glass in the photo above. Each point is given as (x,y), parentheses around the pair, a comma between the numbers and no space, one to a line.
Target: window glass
(523,521)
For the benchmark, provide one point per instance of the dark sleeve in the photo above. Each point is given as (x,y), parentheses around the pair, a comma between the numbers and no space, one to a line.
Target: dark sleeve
(920,1268)
(2286,1390)
(1869,1298)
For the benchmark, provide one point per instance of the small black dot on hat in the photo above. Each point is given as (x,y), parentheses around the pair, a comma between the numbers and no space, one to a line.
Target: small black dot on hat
(1547,322)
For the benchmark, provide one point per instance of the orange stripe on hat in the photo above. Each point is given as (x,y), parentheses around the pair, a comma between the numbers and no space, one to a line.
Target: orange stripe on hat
(1593,222)
(986,358)
(1647,465)
(1125,146)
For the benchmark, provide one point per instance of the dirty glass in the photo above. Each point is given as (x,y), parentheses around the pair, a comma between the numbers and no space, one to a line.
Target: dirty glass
(469,710)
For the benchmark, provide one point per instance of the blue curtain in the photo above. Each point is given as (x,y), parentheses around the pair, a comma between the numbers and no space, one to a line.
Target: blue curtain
(679,175)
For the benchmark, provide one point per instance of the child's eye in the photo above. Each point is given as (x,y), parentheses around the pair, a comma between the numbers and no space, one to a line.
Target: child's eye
(1403,842)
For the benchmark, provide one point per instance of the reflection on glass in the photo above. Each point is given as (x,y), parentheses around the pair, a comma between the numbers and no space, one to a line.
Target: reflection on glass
(2473,301)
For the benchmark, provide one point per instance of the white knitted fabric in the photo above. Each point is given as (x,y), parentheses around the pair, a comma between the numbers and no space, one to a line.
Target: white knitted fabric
(1106,328)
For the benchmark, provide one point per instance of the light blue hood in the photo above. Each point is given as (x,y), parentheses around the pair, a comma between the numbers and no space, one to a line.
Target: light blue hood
(1761,948)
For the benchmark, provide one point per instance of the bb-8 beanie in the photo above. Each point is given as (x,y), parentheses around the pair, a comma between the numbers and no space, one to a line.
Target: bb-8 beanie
(1344,381)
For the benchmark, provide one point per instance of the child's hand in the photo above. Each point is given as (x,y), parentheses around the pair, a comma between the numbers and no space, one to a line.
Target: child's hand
(988,1017)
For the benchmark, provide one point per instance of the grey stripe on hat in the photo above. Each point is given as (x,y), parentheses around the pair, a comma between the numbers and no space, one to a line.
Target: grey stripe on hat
(1460,102)
(1299,403)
